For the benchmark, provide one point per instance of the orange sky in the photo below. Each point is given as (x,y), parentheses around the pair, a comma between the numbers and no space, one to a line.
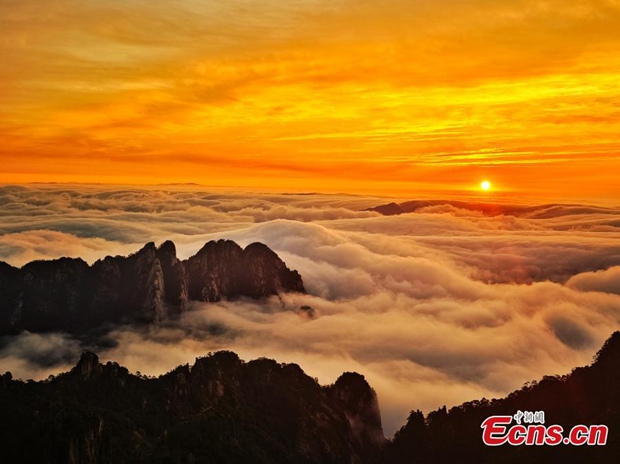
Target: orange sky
(378,96)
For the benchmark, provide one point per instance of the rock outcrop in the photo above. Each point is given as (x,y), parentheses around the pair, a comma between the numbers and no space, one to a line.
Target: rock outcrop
(149,286)
(221,409)
(361,408)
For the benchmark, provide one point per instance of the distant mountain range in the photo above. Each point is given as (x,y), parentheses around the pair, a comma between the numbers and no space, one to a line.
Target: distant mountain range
(493,209)
(149,286)
(223,410)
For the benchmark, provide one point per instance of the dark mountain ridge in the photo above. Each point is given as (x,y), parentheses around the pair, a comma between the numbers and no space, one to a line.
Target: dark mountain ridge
(589,395)
(219,410)
(151,285)
(495,209)
(224,410)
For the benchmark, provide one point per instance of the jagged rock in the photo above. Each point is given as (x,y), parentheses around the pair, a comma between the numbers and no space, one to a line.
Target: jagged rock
(88,365)
(221,409)
(148,286)
(266,273)
(361,407)
(215,271)
(175,277)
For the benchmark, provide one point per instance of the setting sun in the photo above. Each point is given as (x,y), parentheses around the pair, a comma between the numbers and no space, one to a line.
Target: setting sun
(485,185)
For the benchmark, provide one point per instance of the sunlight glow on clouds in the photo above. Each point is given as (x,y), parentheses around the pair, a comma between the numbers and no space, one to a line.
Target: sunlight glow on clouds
(435,307)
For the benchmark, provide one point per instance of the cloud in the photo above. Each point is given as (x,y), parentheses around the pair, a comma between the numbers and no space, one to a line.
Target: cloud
(607,281)
(95,220)
(38,355)
(123,90)
(417,351)
(437,307)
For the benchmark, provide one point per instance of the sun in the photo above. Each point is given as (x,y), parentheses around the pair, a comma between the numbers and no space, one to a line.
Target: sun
(485,185)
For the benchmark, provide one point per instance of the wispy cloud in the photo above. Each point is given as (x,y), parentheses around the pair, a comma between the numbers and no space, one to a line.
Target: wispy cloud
(242,92)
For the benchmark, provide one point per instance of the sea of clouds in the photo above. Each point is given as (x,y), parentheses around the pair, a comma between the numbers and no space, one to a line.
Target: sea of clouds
(435,307)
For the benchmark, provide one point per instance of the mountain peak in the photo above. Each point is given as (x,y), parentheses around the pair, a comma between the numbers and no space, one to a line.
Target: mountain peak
(221,245)
(88,365)
(168,247)
(148,248)
(151,285)
(258,248)
(361,406)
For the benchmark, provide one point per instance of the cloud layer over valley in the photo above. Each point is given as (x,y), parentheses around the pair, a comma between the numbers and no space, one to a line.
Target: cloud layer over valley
(434,307)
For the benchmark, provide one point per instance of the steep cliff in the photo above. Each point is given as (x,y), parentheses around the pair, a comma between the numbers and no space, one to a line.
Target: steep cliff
(149,286)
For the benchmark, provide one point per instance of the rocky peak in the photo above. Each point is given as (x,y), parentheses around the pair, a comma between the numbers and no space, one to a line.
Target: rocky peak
(354,392)
(148,249)
(257,250)
(223,268)
(88,366)
(174,278)
(167,251)
(214,272)
(267,274)
(216,364)
(148,286)
(221,247)
(154,294)
(359,402)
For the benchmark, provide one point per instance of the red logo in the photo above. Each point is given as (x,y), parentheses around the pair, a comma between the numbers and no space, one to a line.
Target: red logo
(497,431)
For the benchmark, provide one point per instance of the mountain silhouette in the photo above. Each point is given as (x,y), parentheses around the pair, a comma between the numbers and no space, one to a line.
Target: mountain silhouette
(589,395)
(545,211)
(224,410)
(220,410)
(149,286)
